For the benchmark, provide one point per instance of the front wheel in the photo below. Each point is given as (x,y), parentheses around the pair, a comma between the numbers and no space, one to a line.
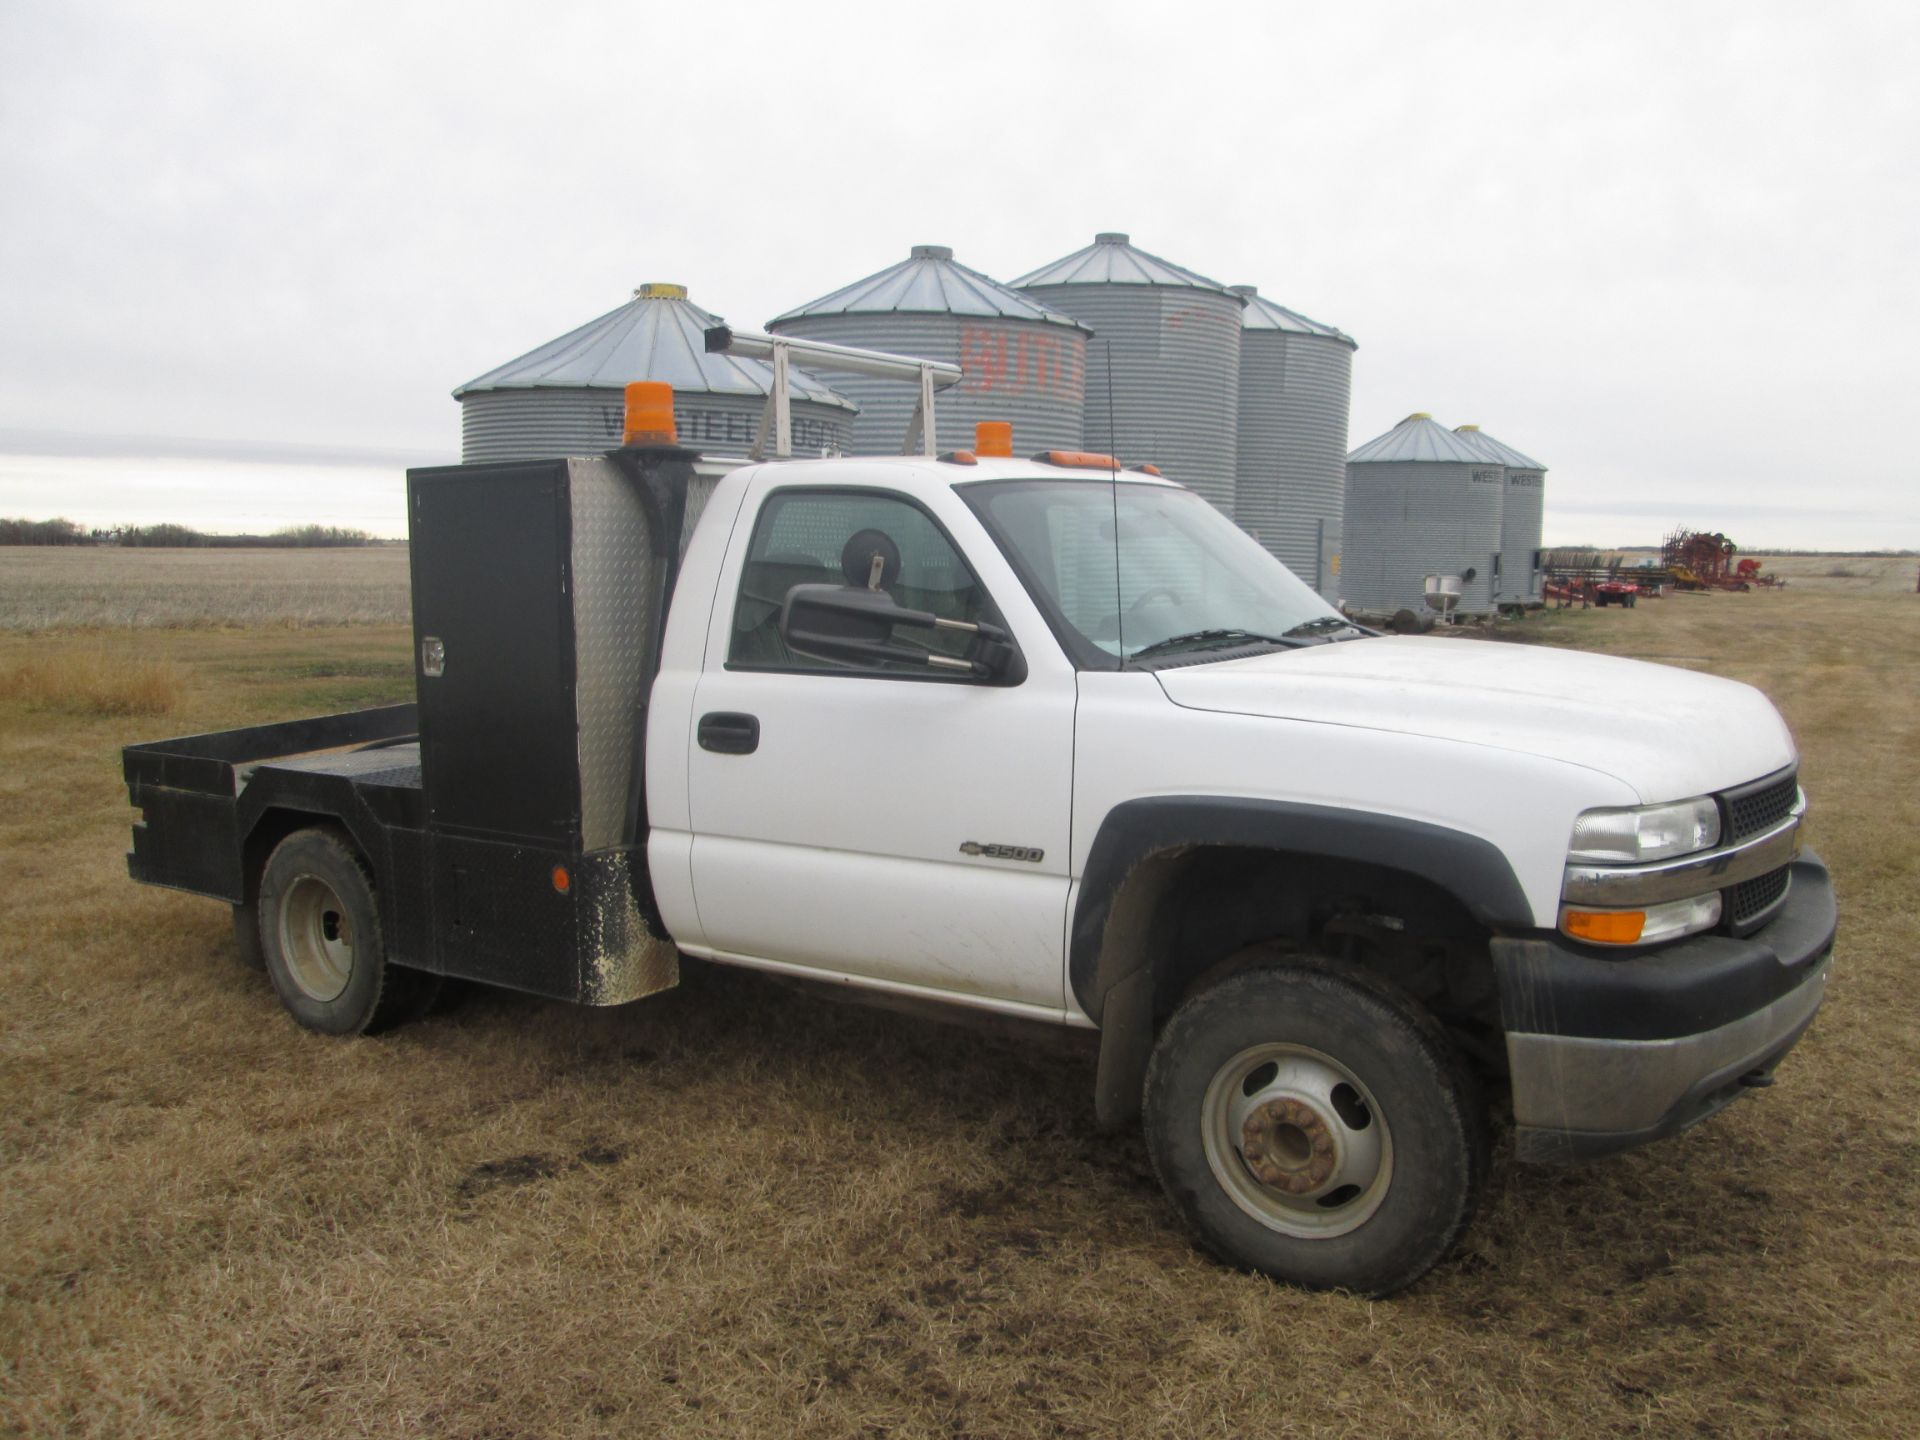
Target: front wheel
(1315,1124)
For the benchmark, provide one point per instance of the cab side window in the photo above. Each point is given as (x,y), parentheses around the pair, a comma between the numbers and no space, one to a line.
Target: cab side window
(863,539)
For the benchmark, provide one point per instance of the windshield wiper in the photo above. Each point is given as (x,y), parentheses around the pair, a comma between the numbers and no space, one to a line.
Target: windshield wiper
(1209,640)
(1322,622)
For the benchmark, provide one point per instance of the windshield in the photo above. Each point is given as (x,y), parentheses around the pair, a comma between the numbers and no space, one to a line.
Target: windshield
(1188,578)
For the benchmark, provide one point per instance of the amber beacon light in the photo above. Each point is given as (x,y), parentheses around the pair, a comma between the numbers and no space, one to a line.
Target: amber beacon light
(649,414)
(993,437)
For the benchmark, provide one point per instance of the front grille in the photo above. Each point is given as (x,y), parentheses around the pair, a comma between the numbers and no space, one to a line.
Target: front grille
(1751,899)
(1760,806)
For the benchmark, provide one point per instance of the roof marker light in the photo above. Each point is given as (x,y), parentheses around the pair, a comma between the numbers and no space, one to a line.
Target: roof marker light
(994,438)
(1148,469)
(959,457)
(1078,459)
(649,414)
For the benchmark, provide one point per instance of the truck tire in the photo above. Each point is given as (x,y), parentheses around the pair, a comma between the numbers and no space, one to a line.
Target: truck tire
(319,926)
(1315,1124)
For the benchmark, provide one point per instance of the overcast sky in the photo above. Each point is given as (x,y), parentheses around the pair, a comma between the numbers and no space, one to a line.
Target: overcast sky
(1671,249)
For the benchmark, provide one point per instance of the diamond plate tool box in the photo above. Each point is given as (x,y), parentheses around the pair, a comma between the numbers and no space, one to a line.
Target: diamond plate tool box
(503,814)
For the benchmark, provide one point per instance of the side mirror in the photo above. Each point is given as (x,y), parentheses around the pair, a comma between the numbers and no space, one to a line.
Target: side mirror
(843,622)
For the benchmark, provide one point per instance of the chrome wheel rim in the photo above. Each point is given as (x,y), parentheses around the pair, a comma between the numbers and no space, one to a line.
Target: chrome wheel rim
(316,938)
(1297,1141)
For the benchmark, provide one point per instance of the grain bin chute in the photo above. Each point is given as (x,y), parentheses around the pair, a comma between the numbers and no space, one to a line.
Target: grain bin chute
(1521,517)
(1296,381)
(1173,340)
(1020,361)
(566,397)
(1420,501)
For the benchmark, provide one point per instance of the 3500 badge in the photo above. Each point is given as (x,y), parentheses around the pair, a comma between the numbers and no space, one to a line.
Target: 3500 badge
(1004,852)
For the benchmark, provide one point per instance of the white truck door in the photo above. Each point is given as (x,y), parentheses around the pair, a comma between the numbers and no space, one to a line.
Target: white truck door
(890,823)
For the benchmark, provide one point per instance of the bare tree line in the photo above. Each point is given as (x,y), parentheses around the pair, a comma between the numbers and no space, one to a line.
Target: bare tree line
(62,531)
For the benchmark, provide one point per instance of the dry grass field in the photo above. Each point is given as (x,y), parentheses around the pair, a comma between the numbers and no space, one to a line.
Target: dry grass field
(1845,574)
(60,587)
(735,1210)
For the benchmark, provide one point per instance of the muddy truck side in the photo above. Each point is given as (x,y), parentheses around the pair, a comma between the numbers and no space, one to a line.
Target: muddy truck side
(1048,739)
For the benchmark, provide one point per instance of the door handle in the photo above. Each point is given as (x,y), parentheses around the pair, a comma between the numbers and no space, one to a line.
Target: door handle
(727,732)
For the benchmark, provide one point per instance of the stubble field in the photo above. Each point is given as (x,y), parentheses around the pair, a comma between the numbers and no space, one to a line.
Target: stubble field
(737,1210)
(63,587)
(1845,574)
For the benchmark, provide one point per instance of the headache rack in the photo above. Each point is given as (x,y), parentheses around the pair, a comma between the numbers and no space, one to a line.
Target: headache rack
(929,375)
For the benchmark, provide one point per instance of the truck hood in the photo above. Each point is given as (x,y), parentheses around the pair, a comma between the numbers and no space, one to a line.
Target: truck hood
(1665,732)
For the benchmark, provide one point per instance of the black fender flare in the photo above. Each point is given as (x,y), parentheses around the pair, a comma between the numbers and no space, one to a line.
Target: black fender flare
(1112,981)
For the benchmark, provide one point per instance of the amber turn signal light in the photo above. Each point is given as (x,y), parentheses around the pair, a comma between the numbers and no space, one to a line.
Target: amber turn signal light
(562,881)
(649,414)
(1605,927)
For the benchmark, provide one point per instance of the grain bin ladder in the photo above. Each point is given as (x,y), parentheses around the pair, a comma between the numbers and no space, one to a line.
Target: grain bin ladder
(931,375)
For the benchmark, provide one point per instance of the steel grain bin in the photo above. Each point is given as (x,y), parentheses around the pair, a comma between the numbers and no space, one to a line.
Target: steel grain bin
(1296,381)
(567,397)
(1420,501)
(1521,516)
(1019,361)
(1169,341)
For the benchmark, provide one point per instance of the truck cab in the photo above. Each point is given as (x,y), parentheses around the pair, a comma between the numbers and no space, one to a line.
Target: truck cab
(1048,738)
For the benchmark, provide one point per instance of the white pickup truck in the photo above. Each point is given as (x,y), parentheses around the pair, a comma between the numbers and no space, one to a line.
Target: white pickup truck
(1053,739)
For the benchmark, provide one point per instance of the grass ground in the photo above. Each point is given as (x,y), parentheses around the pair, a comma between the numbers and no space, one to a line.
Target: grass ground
(1846,574)
(736,1210)
(44,588)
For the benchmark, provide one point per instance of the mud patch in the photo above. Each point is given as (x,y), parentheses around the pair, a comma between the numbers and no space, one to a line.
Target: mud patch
(510,1173)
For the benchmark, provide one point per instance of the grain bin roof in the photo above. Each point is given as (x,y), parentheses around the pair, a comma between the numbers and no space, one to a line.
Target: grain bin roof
(930,282)
(658,335)
(1418,438)
(1492,449)
(1262,314)
(1112,260)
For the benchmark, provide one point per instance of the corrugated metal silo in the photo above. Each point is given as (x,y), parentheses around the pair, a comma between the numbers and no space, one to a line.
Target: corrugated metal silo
(1296,381)
(1021,362)
(566,398)
(1420,501)
(1521,516)
(1170,341)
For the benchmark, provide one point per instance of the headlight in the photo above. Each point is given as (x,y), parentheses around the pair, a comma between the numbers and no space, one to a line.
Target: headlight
(1645,832)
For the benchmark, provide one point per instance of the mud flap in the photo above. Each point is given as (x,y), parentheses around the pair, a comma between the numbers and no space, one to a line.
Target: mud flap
(1126,1043)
